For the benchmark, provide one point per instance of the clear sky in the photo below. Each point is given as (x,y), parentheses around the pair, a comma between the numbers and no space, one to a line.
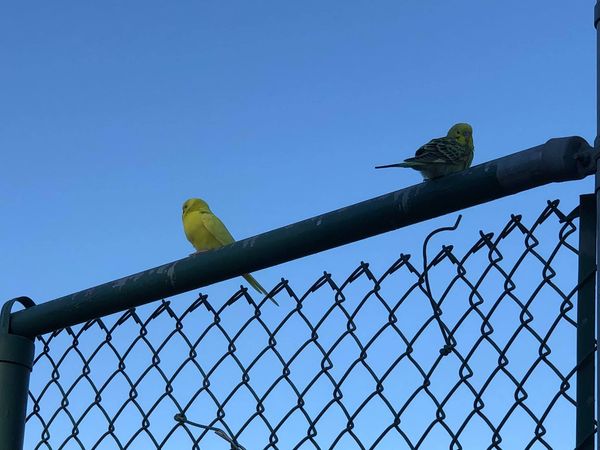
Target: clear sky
(113,113)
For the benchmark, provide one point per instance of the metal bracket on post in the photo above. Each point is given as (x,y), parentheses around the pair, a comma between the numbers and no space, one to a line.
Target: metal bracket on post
(16,361)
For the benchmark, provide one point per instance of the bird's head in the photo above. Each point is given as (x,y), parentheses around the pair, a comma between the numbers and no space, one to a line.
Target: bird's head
(195,204)
(463,133)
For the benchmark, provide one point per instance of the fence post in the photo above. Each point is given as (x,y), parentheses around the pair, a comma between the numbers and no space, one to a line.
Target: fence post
(586,323)
(597,192)
(16,361)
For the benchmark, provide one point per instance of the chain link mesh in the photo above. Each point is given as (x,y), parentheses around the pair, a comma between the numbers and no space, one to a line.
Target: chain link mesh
(459,351)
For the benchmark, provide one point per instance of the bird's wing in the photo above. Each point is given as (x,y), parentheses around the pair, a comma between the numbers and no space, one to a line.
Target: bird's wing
(217,228)
(440,151)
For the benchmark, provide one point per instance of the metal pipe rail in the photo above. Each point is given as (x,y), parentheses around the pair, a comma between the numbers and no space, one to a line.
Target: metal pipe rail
(559,159)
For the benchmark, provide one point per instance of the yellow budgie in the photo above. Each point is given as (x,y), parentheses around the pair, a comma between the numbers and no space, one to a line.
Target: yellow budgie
(442,156)
(206,232)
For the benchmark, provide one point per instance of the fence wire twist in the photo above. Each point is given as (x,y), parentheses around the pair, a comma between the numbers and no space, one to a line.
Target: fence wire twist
(470,351)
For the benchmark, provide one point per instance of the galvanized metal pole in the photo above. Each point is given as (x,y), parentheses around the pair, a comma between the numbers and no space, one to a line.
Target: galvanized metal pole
(16,361)
(586,324)
(560,159)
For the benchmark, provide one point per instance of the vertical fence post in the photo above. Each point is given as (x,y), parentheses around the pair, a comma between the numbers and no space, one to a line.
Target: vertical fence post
(16,361)
(586,323)
(597,192)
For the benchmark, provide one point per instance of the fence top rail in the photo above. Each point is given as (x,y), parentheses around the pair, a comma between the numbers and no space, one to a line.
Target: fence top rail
(559,159)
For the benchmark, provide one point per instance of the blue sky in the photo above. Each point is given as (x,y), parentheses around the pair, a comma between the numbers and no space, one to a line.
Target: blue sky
(112,114)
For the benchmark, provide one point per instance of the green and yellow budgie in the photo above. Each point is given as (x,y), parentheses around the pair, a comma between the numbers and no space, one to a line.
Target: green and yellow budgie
(442,156)
(206,232)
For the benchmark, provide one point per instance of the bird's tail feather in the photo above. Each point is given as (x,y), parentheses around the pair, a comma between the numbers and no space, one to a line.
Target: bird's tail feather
(393,165)
(256,285)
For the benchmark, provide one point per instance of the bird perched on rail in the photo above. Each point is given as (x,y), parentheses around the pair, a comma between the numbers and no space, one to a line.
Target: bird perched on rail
(206,232)
(442,156)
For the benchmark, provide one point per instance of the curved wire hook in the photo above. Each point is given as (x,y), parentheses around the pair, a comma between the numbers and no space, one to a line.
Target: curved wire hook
(181,418)
(447,348)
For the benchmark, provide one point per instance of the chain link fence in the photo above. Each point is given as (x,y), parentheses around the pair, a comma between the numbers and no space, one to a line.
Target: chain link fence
(449,349)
